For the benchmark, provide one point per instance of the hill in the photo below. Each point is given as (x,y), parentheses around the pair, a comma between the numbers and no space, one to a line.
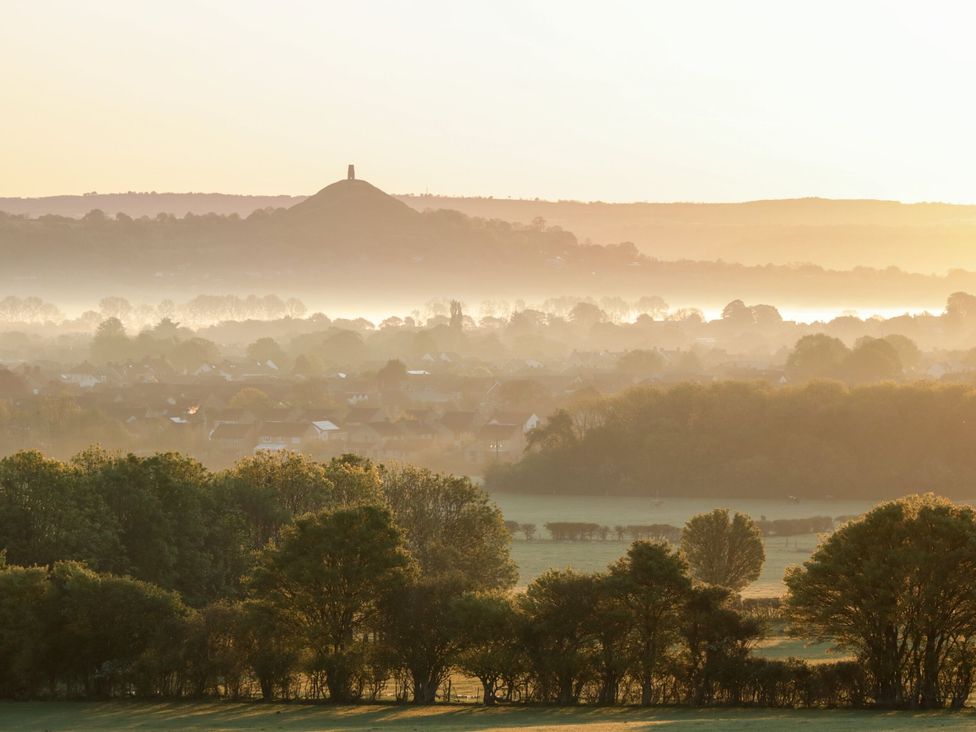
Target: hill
(352,240)
(837,234)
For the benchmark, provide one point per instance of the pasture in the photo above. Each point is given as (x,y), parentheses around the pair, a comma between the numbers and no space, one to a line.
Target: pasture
(536,556)
(232,716)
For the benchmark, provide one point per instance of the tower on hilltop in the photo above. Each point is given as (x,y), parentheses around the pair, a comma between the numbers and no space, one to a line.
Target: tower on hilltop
(351,172)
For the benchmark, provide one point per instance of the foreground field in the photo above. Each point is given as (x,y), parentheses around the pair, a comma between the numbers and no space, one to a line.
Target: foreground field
(64,716)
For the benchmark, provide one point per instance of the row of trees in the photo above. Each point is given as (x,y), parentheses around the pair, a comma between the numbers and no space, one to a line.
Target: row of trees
(343,605)
(747,439)
(362,581)
(340,607)
(589,531)
(167,520)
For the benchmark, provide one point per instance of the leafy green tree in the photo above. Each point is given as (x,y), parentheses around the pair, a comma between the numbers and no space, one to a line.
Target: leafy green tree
(170,529)
(450,526)
(271,650)
(490,649)
(716,640)
(897,588)
(108,631)
(723,551)
(329,572)
(422,631)
(653,584)
(24,635)
(559,633)
(216,656)
(46,514)
(271,488)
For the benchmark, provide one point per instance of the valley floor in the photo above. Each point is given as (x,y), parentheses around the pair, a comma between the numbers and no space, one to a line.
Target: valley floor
(123,715)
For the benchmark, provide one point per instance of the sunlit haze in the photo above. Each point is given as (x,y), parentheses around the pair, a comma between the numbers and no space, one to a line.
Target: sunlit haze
(644,101)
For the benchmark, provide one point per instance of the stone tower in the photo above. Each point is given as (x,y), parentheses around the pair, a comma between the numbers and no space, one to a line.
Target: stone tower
(351,173)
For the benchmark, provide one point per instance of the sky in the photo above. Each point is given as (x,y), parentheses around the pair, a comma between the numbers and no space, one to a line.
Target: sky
(612,101)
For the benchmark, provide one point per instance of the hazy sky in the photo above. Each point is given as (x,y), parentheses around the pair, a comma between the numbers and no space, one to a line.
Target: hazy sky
(610,101)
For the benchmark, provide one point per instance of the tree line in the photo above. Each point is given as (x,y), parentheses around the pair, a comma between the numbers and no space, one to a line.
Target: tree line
(748,439)
(364,598)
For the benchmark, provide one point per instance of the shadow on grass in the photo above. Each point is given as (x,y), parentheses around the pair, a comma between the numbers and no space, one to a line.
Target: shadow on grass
(132,715)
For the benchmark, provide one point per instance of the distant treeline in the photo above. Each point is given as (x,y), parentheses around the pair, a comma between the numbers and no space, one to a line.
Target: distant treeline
(736,439)
(589,531)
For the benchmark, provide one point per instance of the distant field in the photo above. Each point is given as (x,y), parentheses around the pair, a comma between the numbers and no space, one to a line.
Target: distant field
(535,557)
(65,716)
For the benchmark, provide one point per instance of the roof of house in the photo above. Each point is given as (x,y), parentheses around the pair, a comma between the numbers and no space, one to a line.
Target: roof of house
(517,418)
(284,429)
(231,431)
(458,421)
(362,415)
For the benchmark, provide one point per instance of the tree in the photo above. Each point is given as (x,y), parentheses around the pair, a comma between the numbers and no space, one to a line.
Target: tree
(115,307)
(251,399)
(652,582)
(392,375)
(559,634)
(873,359)
(266,349)
(586,315)
(110,342)
(816,356)
(329,573)
(450,526)
(897,587)
(272,488)
(421,628)
(457,316)
(490,650)
(46,515)
(722,551)
(652,305)
(908,352)
(271,650)
(24,635)
(109,631)
(716,642)
(191,354)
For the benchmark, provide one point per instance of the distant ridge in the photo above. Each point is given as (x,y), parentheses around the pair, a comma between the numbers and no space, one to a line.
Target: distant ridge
(833,233)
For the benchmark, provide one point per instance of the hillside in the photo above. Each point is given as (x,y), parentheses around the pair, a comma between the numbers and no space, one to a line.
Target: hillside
(352,238)
(838,234)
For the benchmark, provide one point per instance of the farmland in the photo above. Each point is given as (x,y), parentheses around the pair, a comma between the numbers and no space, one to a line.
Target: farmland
(536,556)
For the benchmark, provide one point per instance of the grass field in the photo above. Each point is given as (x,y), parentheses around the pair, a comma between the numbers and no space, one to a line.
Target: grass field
(65,716)
(535,557)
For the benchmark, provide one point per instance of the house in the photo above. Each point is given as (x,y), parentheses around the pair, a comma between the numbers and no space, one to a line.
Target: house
(84,375)
(364,415)
(327,431)
(524,420)
(238,437)
(284,435)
